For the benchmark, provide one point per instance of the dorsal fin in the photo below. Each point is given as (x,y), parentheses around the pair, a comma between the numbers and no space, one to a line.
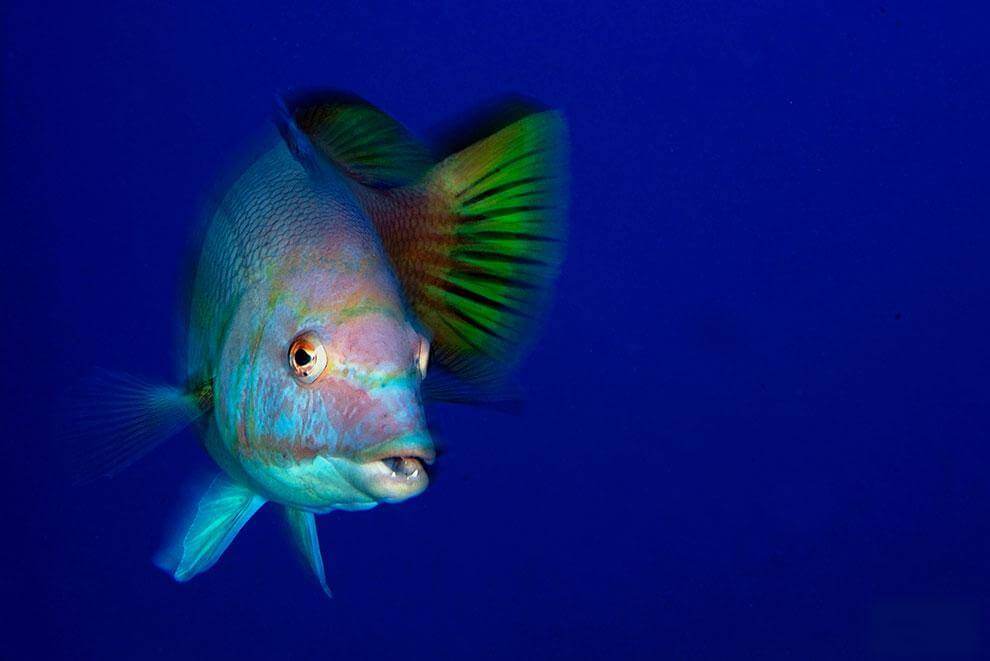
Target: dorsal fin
(366,144)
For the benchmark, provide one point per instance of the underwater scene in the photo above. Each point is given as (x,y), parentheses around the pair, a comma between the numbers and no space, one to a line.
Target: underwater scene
(507,330)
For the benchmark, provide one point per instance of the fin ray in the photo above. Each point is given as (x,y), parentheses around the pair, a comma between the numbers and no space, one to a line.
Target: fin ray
(208,527)
(120,418)
(302,527)
(478,244)
(366,144)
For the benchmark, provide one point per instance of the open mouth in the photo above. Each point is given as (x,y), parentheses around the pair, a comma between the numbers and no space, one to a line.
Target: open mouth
(407,464)
(397,470)
(407,468)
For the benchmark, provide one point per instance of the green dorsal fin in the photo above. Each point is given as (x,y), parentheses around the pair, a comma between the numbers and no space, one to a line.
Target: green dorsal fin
(478,243)
(364,142)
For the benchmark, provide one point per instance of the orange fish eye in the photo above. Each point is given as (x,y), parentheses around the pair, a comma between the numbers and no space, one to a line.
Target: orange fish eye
(307,357)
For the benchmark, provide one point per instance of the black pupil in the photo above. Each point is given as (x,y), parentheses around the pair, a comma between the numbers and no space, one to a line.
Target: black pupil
(301,357)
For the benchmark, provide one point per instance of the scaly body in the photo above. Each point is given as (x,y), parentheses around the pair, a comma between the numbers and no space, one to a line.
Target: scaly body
(328,269)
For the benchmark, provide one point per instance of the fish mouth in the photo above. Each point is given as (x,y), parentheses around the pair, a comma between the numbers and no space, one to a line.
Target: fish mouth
(395,470)
(405,467)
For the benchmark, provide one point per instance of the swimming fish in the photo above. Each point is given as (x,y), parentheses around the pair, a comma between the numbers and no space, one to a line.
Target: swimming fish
(338,265)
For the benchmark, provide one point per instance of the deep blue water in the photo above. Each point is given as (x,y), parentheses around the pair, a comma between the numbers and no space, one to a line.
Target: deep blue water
(757,419)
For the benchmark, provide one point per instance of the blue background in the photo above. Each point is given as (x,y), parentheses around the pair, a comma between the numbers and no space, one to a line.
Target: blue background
(757,418)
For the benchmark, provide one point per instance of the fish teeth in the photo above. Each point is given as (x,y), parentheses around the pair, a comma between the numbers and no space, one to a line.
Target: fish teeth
(405,467)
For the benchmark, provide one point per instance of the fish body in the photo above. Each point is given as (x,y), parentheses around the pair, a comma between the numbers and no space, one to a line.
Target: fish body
(289,253)
(332,268)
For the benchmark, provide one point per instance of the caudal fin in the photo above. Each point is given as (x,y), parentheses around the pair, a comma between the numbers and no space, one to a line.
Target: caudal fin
(476,240)
(478,249)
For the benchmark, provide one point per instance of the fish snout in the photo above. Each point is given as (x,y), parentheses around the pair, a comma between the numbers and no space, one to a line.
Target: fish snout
(396,469)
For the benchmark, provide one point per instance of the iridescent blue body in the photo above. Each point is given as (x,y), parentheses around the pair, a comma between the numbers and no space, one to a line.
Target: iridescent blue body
(291,251)
(331,263)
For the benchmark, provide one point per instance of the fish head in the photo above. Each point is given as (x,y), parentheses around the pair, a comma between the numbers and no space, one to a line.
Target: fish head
(319,397)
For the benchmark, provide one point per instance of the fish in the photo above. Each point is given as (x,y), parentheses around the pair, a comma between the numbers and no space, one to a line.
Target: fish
(347,276)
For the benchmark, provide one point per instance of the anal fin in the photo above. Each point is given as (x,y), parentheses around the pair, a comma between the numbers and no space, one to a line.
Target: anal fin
(208,527)
(302,527)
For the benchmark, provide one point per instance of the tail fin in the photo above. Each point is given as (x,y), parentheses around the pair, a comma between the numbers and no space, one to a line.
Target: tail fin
(478,248)
(476,240)
(207,527)
(302,527)
(121,418)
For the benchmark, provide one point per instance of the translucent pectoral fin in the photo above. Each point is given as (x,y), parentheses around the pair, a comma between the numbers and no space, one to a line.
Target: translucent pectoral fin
(302,527)
(117,419)
(207,528)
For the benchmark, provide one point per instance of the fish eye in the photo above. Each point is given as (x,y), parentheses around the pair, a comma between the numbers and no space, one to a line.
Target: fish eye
(423,356)
(307,357)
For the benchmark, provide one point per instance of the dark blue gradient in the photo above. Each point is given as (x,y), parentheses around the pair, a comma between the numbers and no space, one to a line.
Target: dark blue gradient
(757,420)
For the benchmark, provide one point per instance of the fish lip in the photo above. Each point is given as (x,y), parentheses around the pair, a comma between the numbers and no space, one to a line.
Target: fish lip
(393,482)
(427,457)
(412,446)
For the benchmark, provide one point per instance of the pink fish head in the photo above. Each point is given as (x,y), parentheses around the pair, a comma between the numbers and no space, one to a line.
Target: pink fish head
(319,398)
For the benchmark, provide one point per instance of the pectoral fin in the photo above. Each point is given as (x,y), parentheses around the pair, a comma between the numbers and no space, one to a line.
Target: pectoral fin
(119,418)
(208,527)
(302,527)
